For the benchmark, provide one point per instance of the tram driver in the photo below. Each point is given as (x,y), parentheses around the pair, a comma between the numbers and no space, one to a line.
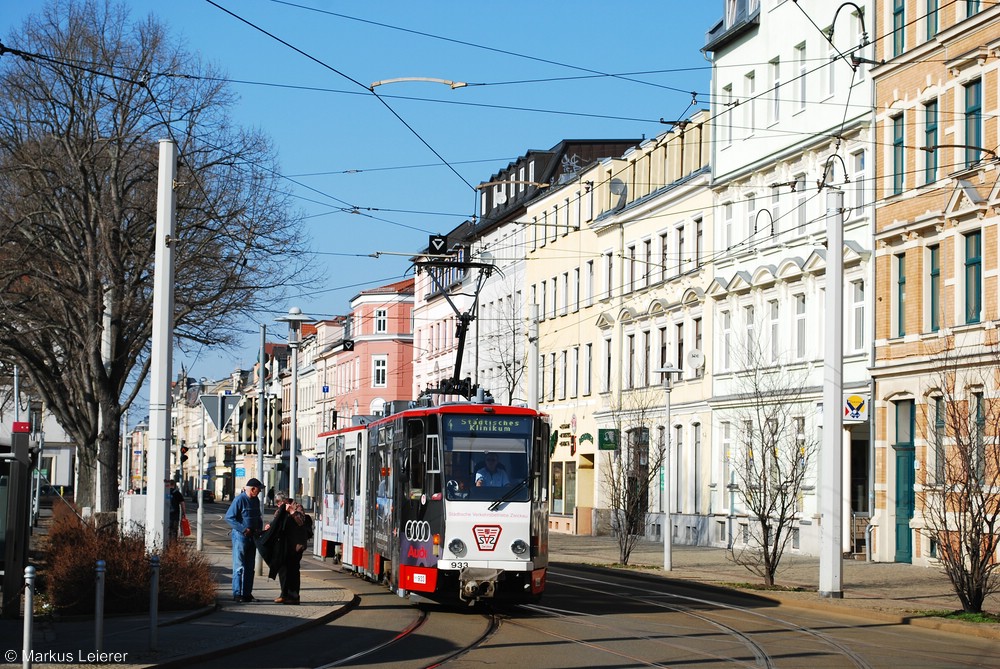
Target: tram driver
(492,474)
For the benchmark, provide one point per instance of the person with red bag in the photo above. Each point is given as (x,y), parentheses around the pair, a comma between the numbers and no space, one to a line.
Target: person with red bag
(176,512)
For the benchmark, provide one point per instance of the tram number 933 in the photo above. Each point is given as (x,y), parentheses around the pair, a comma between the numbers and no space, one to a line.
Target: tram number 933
(458,565)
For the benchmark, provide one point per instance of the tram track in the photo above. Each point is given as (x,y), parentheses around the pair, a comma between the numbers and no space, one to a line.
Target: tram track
(686,606)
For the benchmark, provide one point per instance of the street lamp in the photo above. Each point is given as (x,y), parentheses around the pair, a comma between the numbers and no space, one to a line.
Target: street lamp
(433,80)
(668,372)
(295,318)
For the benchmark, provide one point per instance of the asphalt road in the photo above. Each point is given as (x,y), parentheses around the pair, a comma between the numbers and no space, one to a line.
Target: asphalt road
(591,617)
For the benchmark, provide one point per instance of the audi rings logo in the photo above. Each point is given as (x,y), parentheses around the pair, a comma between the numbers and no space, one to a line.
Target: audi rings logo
(417,531)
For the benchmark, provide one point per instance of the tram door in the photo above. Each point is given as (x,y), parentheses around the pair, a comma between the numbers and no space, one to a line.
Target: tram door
(420,505)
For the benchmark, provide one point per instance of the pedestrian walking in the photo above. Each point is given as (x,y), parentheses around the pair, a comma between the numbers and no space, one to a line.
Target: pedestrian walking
(244,517)
(176,510)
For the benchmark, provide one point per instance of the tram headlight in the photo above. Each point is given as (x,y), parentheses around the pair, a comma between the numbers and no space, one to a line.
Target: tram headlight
(519,547)
(457,547)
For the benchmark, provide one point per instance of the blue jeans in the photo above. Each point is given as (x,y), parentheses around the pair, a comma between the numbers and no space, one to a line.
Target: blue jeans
(244,552)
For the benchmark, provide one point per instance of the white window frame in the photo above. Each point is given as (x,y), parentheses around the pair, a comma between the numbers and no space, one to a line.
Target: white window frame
(380,367)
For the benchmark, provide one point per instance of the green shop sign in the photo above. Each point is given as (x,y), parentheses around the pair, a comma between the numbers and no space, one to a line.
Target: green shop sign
(607,440)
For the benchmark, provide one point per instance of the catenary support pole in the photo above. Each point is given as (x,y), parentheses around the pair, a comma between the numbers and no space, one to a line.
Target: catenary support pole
(162,349)
(261,414)
(831,454)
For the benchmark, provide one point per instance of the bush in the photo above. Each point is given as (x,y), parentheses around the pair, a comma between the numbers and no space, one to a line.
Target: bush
(70,580)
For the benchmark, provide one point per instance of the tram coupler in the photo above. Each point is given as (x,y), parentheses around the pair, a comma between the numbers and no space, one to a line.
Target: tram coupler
(477,583)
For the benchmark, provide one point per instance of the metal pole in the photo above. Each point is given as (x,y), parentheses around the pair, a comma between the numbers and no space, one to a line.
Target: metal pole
(668,528)
(29,615)
(162,349)
(533,356)
(199,537)
(99,608)
(17,394)
(261,414)
(831,457)
(293,427)
(154,594)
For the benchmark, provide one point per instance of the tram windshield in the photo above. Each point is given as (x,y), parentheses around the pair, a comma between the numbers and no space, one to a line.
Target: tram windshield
(486,457)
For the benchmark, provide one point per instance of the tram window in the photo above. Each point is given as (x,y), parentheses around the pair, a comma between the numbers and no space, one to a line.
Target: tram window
(415,448)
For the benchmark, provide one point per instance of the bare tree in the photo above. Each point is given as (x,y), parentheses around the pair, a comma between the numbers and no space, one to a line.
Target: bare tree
(629,472)
(770,463)
(959,494)
(85,95)
(502,342)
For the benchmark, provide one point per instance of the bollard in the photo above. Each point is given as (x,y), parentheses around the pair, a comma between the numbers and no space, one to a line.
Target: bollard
(99,608)
(29,615)
(154,604)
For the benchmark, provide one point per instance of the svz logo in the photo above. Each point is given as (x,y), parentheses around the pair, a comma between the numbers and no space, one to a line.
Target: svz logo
(486,536)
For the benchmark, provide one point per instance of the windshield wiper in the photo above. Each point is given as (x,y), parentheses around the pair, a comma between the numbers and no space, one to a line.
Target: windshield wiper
(508,495)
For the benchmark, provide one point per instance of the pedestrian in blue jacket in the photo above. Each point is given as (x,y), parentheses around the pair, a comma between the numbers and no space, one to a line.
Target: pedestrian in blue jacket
(244,517)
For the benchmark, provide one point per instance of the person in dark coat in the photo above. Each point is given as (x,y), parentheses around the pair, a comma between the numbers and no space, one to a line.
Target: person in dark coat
(283,544)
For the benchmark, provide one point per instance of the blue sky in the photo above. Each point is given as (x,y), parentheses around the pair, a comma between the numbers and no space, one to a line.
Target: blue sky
(536,73)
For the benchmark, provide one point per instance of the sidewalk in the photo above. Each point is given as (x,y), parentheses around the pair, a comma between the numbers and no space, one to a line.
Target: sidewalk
(888,592)
(181,637)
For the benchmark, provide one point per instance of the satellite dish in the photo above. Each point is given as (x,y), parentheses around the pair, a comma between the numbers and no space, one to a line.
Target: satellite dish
(696,359)
(500,197)
(618,187)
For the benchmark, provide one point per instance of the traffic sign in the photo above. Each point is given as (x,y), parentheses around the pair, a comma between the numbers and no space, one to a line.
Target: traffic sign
(438,244)
(220,407)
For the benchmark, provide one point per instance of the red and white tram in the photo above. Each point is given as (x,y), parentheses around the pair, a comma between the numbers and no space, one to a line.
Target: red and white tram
(402,503)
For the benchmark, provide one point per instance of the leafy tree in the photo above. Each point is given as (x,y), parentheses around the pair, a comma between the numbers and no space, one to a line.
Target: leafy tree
(86,93)
(629,472)
(958,496)
(771,461)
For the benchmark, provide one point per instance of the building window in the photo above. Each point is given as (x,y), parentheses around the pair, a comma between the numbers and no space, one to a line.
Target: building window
(858,168)
(380,365)
(631,269)
(630,370)
(727,125)
(775,329)
(725,340)
(563,374)
(900,294)
(932,19)
(610,276)
(858,314)
(664,250)
(775,90)
(750,103)
(606,381)
(552,367)
(647,257)
(831,55)
(381,321)
(978,454)
(727,224)
(801,206)
(590,283)
(934,286)
(751,215)
(939,451)
(930,140)
(699,241)
(898,155)
(588,357)
(898,26)
(750,326)
(576,290)
(800,61)
(973,121)
(574,363)
(679,350)
(680,249)
(972,7)
(973,277)
(800,326)
(696,322)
